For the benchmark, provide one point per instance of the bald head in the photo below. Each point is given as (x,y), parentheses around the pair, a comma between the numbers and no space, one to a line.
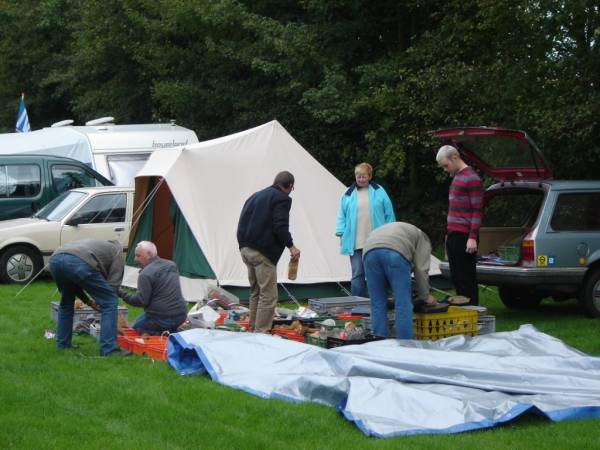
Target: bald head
(145,251)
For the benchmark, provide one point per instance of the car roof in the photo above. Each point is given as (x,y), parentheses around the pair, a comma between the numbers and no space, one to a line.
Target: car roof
(574,184)
(552,184)
(104,189)
(41,156)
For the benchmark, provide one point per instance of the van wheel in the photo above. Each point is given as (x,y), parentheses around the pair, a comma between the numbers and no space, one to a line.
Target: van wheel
(590,297)
(19,264)
(519,298)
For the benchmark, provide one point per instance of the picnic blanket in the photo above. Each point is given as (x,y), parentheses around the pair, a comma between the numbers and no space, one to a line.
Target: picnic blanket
(402,387)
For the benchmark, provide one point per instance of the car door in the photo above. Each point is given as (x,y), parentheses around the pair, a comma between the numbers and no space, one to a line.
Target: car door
(572,232)
(103,216)
(21,189)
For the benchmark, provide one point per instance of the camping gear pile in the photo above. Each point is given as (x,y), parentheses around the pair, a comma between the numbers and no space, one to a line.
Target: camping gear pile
(339,321)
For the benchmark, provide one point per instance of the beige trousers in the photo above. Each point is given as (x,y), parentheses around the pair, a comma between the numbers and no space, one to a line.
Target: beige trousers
(262,275)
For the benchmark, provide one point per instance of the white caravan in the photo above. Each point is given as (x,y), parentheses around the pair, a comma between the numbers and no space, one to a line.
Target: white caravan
(116,151)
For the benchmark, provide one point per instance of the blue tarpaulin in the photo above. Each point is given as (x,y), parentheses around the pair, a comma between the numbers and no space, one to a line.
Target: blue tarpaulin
(395,387)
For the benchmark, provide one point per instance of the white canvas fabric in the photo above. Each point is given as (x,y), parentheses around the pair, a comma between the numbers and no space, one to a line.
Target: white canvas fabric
(48,141)
(210,182)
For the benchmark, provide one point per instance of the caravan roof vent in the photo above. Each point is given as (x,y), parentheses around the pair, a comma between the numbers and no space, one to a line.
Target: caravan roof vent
(62,123)
(101,121)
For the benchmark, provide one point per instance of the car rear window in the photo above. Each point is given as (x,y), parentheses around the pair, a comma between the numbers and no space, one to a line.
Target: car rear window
(514,208)
(501,151)
(577,212)
(20,180)
(67,177)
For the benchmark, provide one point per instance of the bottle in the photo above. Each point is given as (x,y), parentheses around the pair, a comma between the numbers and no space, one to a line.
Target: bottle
(293,269)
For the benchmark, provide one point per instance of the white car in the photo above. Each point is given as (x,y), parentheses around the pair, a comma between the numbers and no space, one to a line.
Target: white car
(26,244)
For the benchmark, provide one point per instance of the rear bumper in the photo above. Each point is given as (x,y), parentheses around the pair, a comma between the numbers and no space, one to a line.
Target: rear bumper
(524,276)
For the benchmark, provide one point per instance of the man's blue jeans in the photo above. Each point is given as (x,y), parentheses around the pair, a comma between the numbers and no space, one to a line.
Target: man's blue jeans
(388,268)
(72,275)
(358,285)
(144,324)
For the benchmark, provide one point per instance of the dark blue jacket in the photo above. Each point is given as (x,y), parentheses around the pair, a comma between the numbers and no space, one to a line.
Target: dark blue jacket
(264,223)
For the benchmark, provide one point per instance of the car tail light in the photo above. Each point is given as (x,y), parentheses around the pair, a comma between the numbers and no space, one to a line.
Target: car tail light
(528,251)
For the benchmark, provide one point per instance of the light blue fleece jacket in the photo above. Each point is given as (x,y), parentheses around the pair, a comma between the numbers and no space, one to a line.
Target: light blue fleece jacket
(380,211)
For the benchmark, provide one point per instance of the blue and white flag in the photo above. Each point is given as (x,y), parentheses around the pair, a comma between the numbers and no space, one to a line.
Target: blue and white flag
(22,119)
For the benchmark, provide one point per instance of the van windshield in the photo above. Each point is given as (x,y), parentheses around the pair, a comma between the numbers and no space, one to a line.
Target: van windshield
(60,206)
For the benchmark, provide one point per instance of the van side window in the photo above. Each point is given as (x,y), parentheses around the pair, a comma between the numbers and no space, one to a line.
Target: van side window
(67,177)
(20,180)
(102,209)
(577,212)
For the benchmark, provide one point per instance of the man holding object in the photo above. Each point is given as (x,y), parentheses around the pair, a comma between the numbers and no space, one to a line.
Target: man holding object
(263,233)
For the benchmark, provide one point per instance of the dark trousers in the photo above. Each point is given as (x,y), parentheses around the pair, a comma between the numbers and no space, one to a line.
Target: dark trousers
(462,266)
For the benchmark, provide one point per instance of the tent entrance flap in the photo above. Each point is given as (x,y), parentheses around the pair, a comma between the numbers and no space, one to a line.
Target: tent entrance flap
(162,222)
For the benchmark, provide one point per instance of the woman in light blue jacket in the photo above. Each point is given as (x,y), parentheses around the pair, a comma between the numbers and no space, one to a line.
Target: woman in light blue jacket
(364,206)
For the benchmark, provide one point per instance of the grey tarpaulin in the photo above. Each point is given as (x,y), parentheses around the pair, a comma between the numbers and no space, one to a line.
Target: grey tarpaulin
(394,387)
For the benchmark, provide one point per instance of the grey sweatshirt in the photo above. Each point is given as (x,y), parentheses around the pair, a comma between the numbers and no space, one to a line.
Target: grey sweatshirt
(158,290)
(104,256)
(411,243)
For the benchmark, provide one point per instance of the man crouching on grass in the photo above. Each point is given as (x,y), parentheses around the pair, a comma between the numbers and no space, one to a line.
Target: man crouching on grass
(158,292)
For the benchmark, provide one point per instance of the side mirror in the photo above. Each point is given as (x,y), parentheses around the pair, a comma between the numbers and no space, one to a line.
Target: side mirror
(74,221)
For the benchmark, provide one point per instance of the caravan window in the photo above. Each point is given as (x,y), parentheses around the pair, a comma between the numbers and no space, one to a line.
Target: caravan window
(66,177)
(20,180)
(124,168)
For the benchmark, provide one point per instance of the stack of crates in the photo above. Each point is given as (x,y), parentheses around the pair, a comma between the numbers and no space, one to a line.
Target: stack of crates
(337,305)
(434,326)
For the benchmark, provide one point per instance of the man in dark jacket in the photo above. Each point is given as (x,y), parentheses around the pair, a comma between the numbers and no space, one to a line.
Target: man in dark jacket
(158,292)
(96,267)
(263,233)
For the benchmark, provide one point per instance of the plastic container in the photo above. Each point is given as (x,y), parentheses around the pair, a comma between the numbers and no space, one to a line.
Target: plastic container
(366,323)
(339,323)
(486,324)
(308,339)
(509,254)
(288,334)
(153,346)
(84,314)
(440,325)
(337,305)
(333,342)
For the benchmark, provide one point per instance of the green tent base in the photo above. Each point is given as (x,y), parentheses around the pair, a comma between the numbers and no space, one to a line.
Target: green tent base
(321,290)
(299,291)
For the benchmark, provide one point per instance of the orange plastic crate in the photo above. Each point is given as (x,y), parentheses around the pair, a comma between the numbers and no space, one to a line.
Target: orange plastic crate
(348,316)
(288,334)
(152,346)
(125,341)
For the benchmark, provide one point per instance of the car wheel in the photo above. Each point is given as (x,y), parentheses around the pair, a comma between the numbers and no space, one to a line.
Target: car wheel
(19,264)
(590,297)
(519,298)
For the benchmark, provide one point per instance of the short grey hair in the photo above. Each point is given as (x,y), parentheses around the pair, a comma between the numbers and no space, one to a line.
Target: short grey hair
(446,151)
(148,247)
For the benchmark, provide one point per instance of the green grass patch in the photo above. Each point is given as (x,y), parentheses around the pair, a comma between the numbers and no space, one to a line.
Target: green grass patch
(73,398)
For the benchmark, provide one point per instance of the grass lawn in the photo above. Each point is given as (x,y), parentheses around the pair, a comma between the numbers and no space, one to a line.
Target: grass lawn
(75,399)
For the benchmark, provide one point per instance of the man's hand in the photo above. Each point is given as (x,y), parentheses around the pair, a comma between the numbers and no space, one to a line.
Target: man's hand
(294,253)
(471,245)
(431,300)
